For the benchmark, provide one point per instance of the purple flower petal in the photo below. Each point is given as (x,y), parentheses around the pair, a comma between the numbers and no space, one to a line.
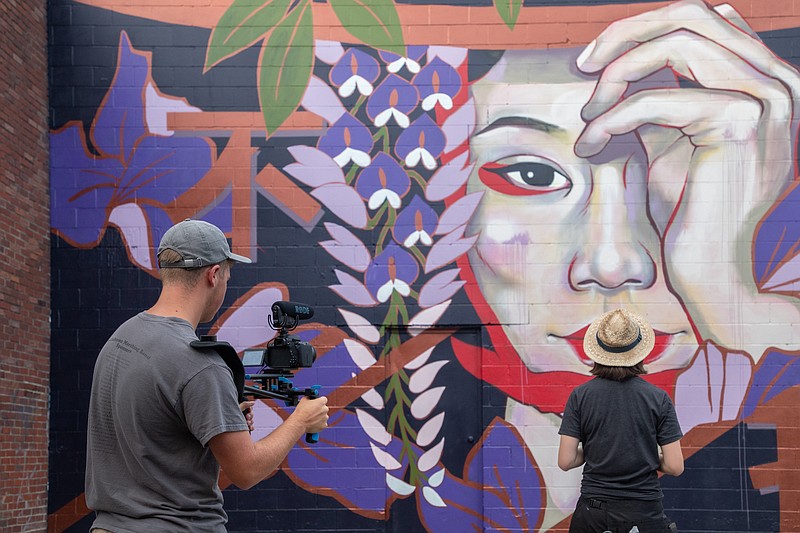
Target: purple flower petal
(383,173)
(417,216)
(347,132)
(393,263)
(437,77)
(82,188)
(393,92)
(120,120)
(422,133)
(354,62)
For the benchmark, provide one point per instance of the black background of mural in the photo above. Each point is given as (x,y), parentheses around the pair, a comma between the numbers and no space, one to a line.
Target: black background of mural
(94,290)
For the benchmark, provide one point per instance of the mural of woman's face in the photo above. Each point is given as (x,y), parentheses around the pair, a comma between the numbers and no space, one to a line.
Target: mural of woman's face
(563,239)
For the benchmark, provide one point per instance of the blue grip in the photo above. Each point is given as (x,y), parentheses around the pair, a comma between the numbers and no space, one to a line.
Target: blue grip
(313,392)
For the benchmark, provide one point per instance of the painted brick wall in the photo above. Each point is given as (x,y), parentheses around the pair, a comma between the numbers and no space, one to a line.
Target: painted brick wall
(24,266)
(428,188)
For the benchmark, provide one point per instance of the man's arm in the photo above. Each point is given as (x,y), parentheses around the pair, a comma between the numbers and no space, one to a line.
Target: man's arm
(570,455)
(246,463)
(671,459)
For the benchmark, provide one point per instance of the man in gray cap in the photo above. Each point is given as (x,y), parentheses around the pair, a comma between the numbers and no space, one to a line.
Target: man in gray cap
(164,417)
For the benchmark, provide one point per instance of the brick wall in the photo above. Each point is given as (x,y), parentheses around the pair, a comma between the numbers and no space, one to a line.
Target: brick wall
(24,266)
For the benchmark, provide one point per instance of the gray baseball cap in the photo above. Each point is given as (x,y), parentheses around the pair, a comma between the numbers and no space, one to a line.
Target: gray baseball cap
(199,244)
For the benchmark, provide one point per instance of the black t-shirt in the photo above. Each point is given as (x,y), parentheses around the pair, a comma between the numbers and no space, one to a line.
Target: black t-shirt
(621,424)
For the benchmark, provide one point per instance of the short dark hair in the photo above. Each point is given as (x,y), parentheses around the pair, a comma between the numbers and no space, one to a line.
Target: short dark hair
(618,373)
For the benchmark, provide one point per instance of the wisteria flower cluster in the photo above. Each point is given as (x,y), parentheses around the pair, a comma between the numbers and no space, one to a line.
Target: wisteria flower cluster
(378,169)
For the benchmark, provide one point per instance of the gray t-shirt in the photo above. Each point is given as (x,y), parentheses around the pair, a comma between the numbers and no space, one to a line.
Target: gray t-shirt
(621,424)
(155,404)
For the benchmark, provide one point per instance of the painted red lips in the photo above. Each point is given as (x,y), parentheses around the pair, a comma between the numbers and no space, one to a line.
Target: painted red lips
(576,341)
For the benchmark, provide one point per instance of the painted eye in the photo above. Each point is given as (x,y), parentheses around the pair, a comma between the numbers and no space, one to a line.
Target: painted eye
(524,178)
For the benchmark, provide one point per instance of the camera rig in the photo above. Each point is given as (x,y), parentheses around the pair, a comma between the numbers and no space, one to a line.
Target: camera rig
(276,363)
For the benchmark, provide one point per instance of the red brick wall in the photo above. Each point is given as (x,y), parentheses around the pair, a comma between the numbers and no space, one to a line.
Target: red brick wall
(24,266)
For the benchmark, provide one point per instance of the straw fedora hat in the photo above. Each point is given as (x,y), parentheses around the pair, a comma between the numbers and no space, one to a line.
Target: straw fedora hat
(619,338)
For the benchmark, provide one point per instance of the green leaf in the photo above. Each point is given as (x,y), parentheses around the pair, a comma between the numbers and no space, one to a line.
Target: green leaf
(285,66)
(243,23)
(509,11)
(374,22)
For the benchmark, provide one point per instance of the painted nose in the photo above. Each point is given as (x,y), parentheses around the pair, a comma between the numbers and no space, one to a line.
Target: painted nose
(613,256)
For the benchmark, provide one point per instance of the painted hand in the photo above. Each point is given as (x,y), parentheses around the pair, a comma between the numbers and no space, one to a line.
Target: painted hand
(720,149)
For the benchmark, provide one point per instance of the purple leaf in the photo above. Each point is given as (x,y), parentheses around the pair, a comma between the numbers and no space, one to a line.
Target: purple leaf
(353,290)
(344,202)
(448,179)
(459,213)
(448,249)
(346,247)
(440,288)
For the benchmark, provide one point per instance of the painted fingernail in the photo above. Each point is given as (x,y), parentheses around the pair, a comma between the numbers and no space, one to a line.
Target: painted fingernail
(586,53)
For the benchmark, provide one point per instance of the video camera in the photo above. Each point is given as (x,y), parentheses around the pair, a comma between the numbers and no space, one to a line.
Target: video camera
(282,355)
(284,352)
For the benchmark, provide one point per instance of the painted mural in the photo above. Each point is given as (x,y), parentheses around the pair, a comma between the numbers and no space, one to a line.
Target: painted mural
(458,191)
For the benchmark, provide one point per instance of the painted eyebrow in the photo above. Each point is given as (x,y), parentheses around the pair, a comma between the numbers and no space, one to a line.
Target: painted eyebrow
(521,122)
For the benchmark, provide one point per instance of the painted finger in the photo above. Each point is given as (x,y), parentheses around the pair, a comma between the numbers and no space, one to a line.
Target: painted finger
(692,57)
(674,109)
(695,16)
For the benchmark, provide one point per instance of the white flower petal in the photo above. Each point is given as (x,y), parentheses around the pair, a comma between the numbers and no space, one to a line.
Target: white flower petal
(433,497)
(436,479)
(399,486)
(373,399)
(430,430)
(377,199)
(393,198)
(348,87)
(401,118)
(364,87)
(412,66)
(385,291)
(402,287)
(361,326)
(413,157)
(384,458)
(428,161)
(343,158)
(427,318)
(383,117)
(373,428)
(430,458)
(423,405)
(360,157)
(425,238)
(396,65)
(423,378)
(419,360)
(360,354)
(411,240)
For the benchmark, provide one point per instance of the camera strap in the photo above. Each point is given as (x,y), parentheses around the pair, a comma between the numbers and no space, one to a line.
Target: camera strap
(229,355)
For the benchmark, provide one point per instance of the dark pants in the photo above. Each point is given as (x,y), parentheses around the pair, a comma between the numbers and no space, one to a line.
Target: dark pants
(619,516)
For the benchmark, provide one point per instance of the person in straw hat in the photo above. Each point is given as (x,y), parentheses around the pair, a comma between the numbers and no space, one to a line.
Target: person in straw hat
(614,425)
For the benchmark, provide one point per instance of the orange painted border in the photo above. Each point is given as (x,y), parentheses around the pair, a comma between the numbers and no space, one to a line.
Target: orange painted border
(468,27)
